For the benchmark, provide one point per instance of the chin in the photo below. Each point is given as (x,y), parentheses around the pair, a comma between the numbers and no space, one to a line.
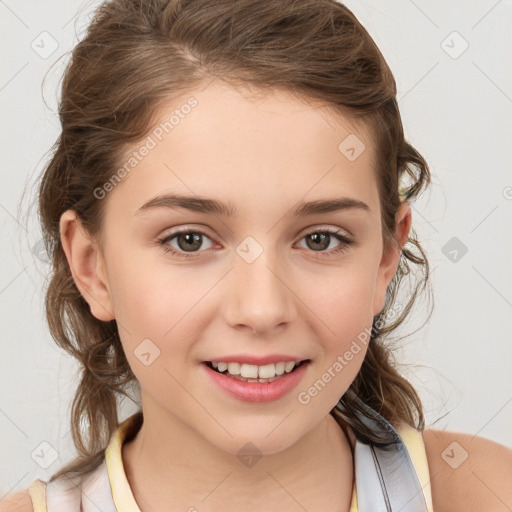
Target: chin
(261,439)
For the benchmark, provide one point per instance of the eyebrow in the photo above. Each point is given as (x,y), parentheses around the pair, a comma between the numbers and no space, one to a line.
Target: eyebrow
(212,206)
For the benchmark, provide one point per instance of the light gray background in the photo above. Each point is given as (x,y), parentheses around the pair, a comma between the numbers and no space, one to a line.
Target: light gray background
(456,111)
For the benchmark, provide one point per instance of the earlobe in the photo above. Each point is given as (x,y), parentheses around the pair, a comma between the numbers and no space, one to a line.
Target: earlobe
(391,255)
(87,266)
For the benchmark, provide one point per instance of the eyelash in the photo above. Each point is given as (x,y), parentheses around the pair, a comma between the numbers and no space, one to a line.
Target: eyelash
(345,243)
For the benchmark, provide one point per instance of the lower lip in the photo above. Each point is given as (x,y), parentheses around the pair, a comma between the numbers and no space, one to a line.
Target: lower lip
(257,391)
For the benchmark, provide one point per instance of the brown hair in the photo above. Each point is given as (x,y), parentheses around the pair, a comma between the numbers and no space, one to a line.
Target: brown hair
(135,56)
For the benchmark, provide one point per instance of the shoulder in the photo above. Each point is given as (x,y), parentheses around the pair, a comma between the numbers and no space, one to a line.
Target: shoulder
(17,502)
(468,473)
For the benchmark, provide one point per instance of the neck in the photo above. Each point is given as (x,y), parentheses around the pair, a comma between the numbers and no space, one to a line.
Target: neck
(168,462)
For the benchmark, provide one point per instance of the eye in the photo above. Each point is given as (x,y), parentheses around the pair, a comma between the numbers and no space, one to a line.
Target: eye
(320,240)
(188,241)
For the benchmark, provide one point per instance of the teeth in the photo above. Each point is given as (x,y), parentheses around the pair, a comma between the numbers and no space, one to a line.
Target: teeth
(249,371)
(252,371)
(288,367)
(267,371)
(238,377)
(280,368)
(233,368)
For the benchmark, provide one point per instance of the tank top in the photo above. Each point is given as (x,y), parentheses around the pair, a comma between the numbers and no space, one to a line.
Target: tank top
(388,478)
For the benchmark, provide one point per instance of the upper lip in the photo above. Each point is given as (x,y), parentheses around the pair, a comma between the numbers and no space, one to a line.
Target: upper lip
(256,360)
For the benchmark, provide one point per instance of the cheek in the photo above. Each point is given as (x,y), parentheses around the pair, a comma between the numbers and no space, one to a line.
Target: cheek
(343,312)
(344,302)
(164,305)
(155,318)
(150,294)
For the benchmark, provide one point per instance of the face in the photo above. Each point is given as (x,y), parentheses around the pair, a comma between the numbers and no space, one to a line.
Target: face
(262,281)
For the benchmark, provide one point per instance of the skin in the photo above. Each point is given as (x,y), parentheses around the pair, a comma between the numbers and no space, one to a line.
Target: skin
(262,154)
(480,483)
(279,150)
(483,481)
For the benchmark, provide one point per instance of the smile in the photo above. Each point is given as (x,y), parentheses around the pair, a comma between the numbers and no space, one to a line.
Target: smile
(252,383)
(252,371)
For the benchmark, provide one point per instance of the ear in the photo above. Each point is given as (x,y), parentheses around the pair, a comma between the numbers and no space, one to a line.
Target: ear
(87,265)
(391,255)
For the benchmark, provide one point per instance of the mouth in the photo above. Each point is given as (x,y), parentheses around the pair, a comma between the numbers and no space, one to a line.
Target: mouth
(253,373)
(251,383)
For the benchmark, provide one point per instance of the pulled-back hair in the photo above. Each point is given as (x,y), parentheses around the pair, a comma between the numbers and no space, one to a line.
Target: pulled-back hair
(137,55)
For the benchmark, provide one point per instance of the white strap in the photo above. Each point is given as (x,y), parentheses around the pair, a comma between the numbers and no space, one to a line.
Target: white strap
(386,480)
(63,495)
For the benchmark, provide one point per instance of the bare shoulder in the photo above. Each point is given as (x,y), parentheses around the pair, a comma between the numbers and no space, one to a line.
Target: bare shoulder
(17,502)
(468,473)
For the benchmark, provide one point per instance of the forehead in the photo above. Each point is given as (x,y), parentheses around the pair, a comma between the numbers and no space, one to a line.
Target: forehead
(250,148)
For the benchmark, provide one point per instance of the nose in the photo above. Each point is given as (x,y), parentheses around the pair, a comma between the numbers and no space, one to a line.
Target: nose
(258,298)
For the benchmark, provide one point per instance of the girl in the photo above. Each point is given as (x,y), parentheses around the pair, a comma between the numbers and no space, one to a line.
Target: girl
(228,214)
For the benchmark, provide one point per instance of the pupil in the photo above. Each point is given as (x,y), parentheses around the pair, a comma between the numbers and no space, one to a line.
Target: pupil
(319,238)
(190,238)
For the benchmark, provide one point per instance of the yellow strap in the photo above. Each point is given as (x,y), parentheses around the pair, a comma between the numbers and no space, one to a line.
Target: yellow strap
(353,503)
(122,494)
(413,440)
(37,492)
